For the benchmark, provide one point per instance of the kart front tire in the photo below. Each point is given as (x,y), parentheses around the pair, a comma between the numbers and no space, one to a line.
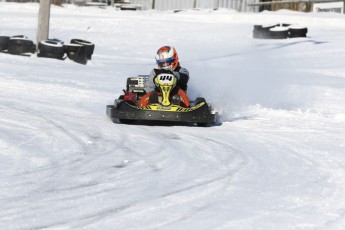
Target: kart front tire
(126,121)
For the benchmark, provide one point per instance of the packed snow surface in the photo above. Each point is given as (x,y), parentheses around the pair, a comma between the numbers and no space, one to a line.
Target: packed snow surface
(276,160)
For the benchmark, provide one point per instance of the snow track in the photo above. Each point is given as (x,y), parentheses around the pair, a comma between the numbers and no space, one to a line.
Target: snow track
(74,173)
(75,162)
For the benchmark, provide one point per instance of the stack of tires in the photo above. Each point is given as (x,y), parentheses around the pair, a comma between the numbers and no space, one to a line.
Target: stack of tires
(19,45)
(279,31)
(78,50)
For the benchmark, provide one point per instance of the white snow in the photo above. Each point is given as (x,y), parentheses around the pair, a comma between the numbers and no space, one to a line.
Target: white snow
(277,161)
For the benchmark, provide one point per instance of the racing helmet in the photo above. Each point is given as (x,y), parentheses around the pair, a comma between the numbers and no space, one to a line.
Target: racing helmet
(167,58)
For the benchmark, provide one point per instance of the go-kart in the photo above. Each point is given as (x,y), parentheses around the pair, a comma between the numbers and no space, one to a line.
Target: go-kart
(127,109)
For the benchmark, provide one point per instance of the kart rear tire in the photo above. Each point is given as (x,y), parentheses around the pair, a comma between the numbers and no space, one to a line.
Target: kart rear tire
(198,100)
(201,124)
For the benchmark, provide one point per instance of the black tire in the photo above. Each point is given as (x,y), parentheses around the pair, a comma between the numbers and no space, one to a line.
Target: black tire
(76,53)
(133,8)
(201,124)
(279,32)
(296,31)
(20,45)
(90,47)
(262,31)
(198,100)
(257,27)
(20,36)
(51,49)
(126,121)
(4,42)
(257,32)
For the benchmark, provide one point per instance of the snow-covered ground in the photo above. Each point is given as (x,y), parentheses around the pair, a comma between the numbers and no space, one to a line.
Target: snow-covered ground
(277,161)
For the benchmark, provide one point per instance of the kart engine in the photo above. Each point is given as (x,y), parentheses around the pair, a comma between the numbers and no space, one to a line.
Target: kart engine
(135,88)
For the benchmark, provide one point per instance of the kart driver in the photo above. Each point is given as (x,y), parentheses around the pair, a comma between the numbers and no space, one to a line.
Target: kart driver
(167,62)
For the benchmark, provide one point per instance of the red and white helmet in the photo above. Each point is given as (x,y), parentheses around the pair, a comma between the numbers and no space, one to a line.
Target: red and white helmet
(167,58)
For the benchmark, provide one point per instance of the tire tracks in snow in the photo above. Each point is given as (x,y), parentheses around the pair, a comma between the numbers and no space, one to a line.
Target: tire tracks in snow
(193,190)
(51,175)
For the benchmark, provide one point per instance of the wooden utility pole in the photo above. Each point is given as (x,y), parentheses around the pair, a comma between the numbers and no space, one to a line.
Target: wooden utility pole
(194,4)
(43,20)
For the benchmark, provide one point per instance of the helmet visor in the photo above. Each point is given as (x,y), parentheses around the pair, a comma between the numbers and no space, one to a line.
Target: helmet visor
(165,62)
